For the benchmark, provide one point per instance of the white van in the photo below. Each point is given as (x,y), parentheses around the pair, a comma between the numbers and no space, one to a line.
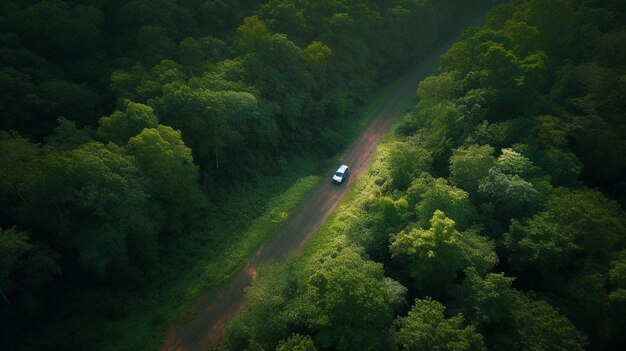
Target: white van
(340,174)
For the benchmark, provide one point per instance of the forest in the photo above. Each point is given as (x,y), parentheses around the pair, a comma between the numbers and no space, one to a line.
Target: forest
(125,126)
(493,219)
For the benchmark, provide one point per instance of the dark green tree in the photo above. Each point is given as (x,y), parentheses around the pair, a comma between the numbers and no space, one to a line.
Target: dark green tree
(172,178)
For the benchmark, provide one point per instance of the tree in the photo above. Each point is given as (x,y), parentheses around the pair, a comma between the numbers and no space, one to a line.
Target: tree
(406,161)
(190,52)
(67,136)
(278,308)
(438,88)
(172,177)
(90,204)
(121,126)
(479,251)
(511,320)
(512,162)
(539,326)
(511,194)
(51,27)
(352,302)
(564,168)
(216,124)
(16,156)
(451,200)
(24,266)
(426,328)
(469,165)
(297,342)
(576,224)
(435,255)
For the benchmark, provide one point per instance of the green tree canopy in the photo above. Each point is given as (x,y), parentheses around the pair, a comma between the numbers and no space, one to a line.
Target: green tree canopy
(297,342)
(469,165)
(426,328)
(510,320)
(352,300)
(92,205)
(453,201)
(121,126)
(576,224)
(406,161)
(24,266)
(171,175)
(434,255)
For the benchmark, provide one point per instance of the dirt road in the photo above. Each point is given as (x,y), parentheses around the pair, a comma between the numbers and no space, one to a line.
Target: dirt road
(206,330)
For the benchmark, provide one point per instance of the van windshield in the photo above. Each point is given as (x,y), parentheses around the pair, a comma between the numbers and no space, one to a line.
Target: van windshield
(339,174)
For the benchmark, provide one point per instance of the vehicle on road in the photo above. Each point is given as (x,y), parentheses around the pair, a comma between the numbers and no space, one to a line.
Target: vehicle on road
(341,174)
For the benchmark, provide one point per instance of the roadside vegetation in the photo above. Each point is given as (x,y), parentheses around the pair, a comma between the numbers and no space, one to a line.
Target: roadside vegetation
(492,219)
(148,147)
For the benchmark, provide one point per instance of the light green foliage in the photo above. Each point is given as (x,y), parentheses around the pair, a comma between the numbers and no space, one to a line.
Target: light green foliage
(434,255)
(438,88)
(140,85)
(352,301)
(24,266)
(512,162)
(151,86)
(297,342)
(406,161)
(121,126)
(469,165)
(253,33)
(426,328)
(453,201)
(317,53)
(318,56)
(172,176)
(390,213)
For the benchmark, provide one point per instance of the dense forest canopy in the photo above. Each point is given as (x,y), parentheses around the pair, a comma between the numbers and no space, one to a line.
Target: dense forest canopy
(495,217)
(123,124)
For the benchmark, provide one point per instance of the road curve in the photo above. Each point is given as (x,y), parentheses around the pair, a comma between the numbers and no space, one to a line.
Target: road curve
(206,329)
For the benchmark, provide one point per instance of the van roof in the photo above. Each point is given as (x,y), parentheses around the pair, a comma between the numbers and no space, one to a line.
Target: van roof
(342,168)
